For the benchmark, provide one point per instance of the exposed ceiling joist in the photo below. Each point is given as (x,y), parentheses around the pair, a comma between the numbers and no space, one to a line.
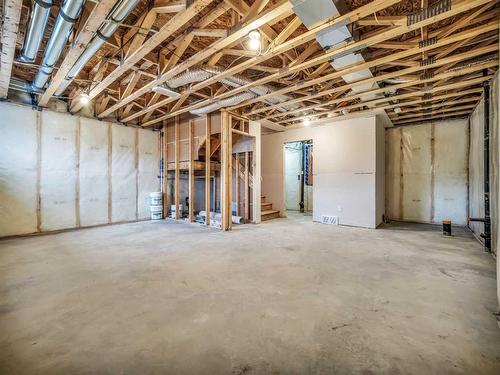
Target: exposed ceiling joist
(10,25)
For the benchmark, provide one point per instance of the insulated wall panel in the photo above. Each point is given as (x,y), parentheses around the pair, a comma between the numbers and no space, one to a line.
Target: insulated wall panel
(93,174)
(58,171)
(476,169)
(450,172)
(416,159)
(148,170)
(123,172)
(18,170)
(426,172)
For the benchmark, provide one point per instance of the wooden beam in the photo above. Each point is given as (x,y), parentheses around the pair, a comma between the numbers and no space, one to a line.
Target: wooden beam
(165,169)
(279,10)
(246,196)
(191,171)
(208,144)
(10,24)
(166,6)
(226,201)
(177,21)
(177,170)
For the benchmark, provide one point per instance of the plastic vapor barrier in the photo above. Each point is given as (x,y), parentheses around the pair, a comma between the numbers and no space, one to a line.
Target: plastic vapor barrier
(148,181)
(123,174)
(18,171)
(93,173)
(58,171)
(426,172)
(476,168)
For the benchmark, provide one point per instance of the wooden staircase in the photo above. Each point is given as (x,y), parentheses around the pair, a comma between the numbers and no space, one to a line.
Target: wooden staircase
(266,210)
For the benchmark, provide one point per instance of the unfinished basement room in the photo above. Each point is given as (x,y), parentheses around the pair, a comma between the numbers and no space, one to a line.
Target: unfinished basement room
(249,187)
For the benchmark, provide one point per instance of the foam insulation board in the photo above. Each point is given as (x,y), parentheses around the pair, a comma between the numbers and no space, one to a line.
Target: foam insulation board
(18,170)
(476,168)
(58,180)
(123,174)
(93,173)
(393,174)
(494,169)
(148,170)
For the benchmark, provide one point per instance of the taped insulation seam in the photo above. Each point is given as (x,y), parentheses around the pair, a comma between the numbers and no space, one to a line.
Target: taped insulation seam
(426,172)
(56,171)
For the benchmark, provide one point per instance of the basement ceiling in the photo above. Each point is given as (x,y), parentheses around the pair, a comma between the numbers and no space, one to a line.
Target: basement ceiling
(415,60)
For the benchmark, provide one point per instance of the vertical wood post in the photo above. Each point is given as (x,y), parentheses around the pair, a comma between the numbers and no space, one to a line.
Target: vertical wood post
(237,183)
(177,171)
(165,169)
(136,162)
(191,171)
(208,152)
(247,189)
(226,171)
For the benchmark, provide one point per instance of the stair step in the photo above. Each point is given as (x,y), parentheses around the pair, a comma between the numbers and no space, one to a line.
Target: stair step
(266,206)
(269,214)
(262,199)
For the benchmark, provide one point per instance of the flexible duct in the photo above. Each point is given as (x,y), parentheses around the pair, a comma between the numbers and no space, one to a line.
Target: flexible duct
(105,31)
(66,18)
(205,72)
(34,33)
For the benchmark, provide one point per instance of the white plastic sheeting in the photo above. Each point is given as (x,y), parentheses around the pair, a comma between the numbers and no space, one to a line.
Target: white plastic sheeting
(476,169)
(58,171)
(123,172)
(18,171)
(93,174)
(63,162)
(149,156)
(426,172)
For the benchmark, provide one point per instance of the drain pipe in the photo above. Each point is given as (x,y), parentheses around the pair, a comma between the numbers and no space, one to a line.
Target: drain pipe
(66,18)
(487,217)
(38,21)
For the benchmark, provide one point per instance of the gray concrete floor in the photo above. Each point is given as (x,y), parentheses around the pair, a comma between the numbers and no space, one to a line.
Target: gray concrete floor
(284,297)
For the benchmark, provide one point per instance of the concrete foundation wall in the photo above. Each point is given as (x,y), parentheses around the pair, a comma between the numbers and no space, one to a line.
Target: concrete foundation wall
(344,170)
(59,171)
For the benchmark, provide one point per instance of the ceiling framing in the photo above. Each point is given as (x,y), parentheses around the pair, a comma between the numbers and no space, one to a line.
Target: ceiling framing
(427,66)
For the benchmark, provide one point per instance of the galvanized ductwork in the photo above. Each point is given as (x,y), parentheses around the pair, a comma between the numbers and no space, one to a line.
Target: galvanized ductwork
(310,13)
(205,72)
(105,31)
(68,15)
(34,33)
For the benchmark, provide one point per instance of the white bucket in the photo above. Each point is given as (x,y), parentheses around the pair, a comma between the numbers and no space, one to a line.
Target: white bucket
(172,211)
(156,215)
(156,198)
(156,208)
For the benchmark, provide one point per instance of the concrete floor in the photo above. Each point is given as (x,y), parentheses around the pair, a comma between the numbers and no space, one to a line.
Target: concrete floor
(284,297)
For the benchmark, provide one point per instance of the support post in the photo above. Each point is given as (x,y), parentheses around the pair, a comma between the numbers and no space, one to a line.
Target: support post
(177,171)
(191,171)
(208,151)
(164,167)
(486,163)
(226,171)
(247,189)
(237,183)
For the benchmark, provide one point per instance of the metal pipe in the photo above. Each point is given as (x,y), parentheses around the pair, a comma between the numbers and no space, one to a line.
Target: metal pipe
(486,163)
(66,18)
(105,31)
(34,33)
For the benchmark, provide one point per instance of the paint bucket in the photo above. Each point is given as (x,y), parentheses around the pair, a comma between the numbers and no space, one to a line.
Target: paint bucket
(447,227)
(156,212)
(172,211)
(156,198)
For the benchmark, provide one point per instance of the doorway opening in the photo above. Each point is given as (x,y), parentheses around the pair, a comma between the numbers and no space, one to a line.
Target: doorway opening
(299,177)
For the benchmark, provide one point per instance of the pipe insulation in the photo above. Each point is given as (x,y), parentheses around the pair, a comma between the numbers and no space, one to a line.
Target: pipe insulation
(34,33)
(68,14)
(203,73)
(105,31)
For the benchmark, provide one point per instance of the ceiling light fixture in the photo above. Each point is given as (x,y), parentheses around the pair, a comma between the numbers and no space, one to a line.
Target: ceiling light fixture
(84,99)
(254,40)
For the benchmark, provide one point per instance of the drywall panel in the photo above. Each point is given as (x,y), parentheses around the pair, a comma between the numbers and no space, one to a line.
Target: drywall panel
(123,174)
(148,170)
(18,170)
(344,169)
(93,172)
(58,180)
(451,140)
(393,173)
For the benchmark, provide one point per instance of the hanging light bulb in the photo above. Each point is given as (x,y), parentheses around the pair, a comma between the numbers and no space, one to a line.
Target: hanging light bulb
(84,99)
(254,40)
(307,121)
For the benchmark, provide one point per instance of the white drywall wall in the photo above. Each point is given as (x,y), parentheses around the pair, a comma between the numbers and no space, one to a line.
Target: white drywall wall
(344,169)
(62,162)
(426,172)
